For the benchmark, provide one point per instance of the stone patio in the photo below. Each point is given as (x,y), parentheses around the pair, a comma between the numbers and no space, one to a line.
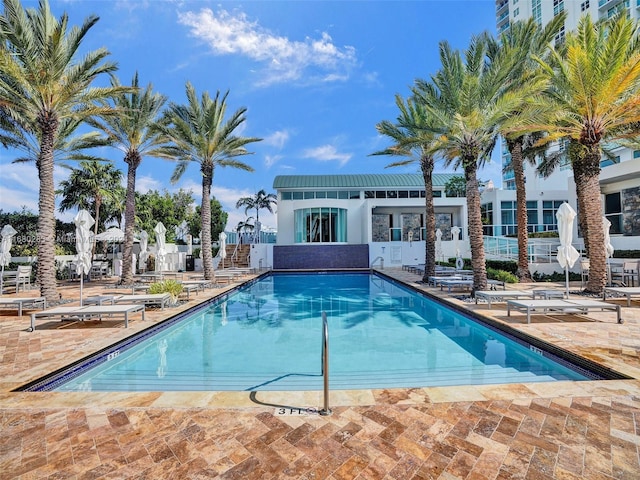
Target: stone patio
(564,430)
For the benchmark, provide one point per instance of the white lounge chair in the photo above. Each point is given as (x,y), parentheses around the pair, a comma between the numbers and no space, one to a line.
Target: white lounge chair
(560,306)
(159,299)
(495,295)
(626,291)
(22,303)
(82,313)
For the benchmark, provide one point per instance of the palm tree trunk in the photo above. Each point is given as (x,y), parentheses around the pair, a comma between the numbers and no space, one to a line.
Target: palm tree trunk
(133,161)
(478,261)
(588,190)
(426,165)
(46,274)
(205,211)
(515,149)
(576,155)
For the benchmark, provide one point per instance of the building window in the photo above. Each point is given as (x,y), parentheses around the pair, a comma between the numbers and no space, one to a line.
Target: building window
(536,11)
(549,209)
(558,7)
(320,225)
(487,219)
(516,12)
(636,154)
(584,6)
(532,216)
(508,218)
(613,211)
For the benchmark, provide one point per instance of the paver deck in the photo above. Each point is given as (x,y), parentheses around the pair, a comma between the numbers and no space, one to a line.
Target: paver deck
(532,431)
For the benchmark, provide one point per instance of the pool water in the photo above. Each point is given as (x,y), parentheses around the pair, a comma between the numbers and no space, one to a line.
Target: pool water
(267,335)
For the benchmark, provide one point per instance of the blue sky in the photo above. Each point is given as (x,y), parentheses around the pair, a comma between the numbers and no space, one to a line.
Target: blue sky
(315,76)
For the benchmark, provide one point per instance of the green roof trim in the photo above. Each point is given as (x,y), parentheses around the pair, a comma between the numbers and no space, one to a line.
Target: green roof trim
(381,180)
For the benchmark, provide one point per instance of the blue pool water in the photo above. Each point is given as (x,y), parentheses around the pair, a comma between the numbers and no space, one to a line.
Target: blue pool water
(267,335)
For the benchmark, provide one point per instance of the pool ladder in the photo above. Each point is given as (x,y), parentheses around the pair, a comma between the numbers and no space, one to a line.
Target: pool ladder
(325,364)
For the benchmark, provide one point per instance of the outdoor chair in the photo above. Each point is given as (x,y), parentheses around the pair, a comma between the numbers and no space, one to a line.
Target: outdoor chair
(23,277)
(584,271)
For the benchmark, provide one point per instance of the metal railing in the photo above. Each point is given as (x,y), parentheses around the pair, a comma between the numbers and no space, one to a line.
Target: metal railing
(373,264)
(539,250)
(325,364)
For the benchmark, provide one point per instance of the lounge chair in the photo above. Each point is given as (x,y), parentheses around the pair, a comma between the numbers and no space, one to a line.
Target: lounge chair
(159,299)
(560,306)
(82,313)
(495,295)
(451,283)
(626,291)
(22,303)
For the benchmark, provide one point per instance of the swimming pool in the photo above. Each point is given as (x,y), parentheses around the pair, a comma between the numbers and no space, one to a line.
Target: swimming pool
(266,335)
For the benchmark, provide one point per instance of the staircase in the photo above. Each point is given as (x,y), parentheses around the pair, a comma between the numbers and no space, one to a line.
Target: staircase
(241,259)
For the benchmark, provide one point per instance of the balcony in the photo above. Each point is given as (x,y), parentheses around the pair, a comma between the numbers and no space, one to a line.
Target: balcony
(501,5)
(602,4)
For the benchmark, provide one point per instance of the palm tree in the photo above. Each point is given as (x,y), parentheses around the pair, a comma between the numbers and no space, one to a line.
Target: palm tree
(412,140)
(593,97)
(201,134)
(260,201)
(89,186)
(469,99)
(245,226)
(526,40)
(44,82)
(133,131)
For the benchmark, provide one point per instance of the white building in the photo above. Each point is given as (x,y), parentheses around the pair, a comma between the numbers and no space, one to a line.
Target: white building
(619,179)
(337,221)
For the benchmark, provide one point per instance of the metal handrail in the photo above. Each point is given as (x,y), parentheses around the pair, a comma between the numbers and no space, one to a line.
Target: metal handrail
(325,364)
(381,262)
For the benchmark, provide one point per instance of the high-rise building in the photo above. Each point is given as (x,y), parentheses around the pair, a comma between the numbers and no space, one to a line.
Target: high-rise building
(620,174)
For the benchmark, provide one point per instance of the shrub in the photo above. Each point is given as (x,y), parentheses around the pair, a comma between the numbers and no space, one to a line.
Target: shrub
(506,265)
(506,277)
(171,287)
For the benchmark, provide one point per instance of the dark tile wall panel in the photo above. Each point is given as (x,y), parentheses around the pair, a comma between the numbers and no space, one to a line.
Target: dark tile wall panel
(292,257)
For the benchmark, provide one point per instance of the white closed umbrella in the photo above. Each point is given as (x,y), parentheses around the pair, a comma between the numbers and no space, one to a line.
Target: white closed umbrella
(144,249)
(455,232)
(7,233)
(439,243)
(567,254)
(84,221)
(161,250)
(223,246)
(606,225)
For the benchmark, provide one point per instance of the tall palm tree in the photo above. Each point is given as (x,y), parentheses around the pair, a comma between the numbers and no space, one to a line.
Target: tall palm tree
(525,40)
(594,97)
(260,201)
(200,133)
(89,186)
(44,81)
(133,131)
(413,140)
(469,98)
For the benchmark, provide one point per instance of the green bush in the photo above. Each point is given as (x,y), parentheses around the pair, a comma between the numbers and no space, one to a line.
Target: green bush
(556,277)
(171,287)
(626,254)
(506,265)
(506,277)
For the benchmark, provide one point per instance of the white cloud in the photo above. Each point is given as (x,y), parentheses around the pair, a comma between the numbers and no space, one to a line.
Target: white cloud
(270,160)
(20,186)
(327,153)
(277,139)
(282,59)
(146,183)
